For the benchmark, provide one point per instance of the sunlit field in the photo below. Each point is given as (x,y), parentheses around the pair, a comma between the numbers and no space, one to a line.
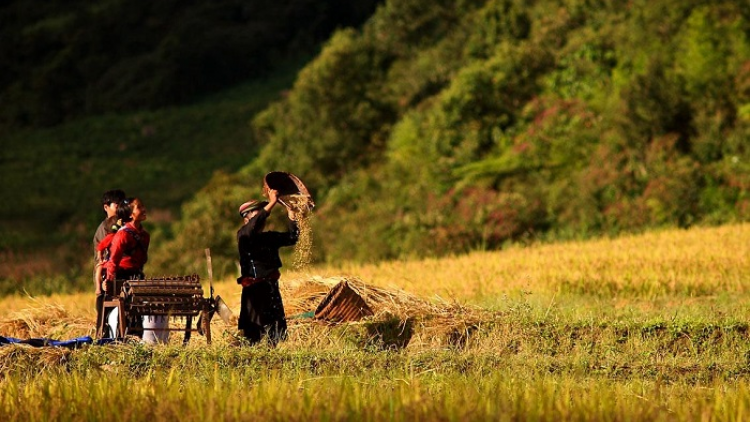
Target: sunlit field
(644,327)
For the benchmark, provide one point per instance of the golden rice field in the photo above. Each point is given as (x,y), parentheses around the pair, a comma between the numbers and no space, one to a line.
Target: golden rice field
(643,327)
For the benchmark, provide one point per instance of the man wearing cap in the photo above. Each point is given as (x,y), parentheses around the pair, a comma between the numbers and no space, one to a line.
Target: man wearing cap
(111,199)
(262,310)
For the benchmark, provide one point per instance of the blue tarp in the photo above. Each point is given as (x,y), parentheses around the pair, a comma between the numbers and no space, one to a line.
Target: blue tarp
(47,342)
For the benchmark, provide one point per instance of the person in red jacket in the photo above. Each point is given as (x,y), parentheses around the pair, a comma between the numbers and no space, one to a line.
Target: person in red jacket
(128,253)
(129,247)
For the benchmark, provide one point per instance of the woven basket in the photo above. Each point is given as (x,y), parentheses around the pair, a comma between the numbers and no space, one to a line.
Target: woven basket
(342,304)
(286,184)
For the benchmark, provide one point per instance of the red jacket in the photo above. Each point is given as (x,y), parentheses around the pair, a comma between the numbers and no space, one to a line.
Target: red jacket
(104,244)
(129,250)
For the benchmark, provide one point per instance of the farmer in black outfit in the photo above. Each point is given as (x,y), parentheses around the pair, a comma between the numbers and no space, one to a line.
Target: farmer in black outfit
(262,310)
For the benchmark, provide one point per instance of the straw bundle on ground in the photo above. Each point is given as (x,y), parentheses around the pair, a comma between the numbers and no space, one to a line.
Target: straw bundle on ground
(47,321)
(393,301)
(386,318)
(29,360)
(304,296)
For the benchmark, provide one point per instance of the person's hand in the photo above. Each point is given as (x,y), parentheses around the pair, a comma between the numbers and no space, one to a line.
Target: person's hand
(292,216)
(273,196)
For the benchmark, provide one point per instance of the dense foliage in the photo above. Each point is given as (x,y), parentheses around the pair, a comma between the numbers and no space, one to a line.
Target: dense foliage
(63,59)
(445,126)
(448,126)
(106,70)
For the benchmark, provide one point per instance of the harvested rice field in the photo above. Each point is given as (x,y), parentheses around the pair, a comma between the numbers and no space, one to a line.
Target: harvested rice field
(643,327)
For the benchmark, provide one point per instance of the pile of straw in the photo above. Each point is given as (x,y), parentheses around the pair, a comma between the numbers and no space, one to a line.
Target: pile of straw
(303,295)
(48,321)
(52,321)
(421,323)
(23,359)
(393,301)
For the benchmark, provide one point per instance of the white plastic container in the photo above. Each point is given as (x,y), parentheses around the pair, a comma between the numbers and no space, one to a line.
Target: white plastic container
(154,329)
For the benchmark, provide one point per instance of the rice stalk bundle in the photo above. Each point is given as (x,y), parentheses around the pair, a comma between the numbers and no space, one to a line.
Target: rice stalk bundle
(304,295)
(52,321)
(30,360)
(393,301)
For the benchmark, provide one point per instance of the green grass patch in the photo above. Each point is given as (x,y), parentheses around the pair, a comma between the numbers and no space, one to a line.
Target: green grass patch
(229,383)
(53,178)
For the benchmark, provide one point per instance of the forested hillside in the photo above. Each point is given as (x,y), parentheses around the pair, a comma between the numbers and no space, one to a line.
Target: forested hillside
(437,126)
(445,126)
(65,59)
(150,97)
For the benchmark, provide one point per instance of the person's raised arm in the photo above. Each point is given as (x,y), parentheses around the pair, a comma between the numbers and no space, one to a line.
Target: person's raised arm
(273,198)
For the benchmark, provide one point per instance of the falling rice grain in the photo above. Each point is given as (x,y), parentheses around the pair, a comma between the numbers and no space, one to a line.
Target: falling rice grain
(301,206)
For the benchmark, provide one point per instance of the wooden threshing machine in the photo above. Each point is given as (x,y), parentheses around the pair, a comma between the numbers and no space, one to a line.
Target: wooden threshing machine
(176,298)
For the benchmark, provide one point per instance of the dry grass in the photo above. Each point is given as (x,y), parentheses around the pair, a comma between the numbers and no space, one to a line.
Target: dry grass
(635,271)
(303,295)
(589,330)
(412,321)
(431,323)
(51,321)
(31,359)
(699,261)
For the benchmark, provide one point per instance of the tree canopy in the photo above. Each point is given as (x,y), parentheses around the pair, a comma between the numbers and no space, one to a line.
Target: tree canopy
(450,126)
(435,127)
(65,59)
